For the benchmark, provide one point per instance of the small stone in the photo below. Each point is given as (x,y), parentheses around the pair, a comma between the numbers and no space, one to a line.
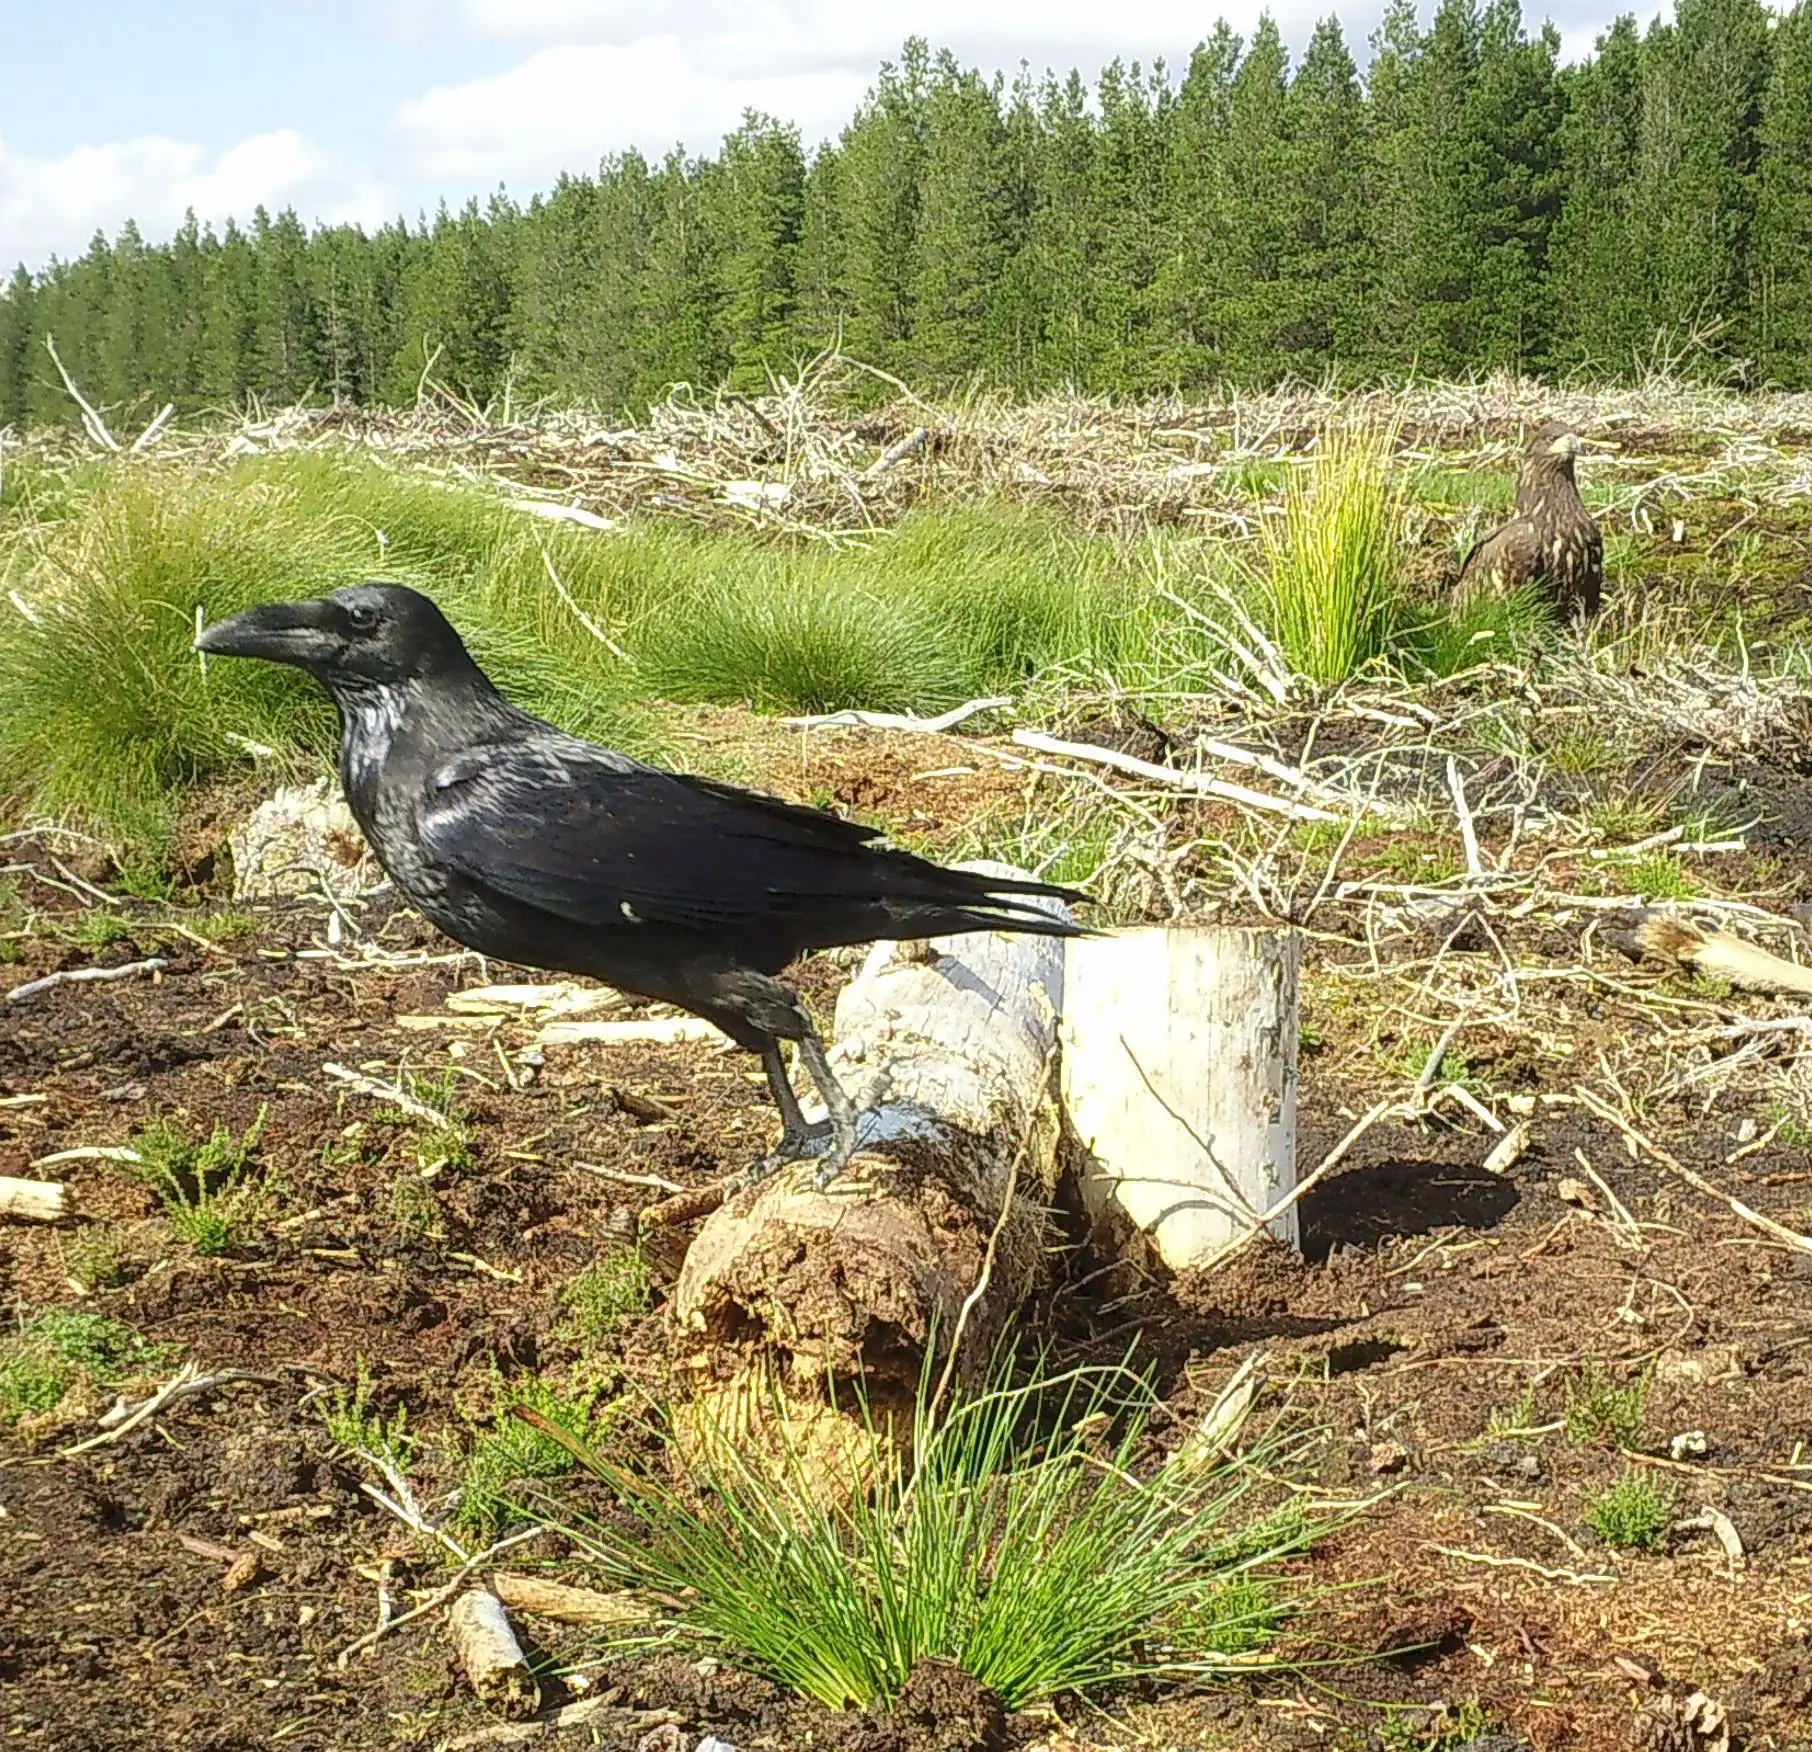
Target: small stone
(1387,1457)
(1688,1445)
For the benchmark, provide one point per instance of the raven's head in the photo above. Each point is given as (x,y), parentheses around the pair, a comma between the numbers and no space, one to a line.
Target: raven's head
(372,635)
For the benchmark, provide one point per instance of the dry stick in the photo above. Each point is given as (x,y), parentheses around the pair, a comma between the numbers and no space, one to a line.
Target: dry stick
(902,721)
(171,1389)
(1475,865)
(579,614)
(84,976)
(1200,783)
(92,422)
(33,1201)
(438,1598)
(1327,1164)
(1788,1237)
(895,454)
(378,1090)
(972,1300)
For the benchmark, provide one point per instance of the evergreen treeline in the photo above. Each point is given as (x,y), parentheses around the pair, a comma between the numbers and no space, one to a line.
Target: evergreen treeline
(1467,203)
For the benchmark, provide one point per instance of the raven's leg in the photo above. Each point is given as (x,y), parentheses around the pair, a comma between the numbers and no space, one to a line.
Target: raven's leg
(797,1133)
(799,1137)
(836,1099)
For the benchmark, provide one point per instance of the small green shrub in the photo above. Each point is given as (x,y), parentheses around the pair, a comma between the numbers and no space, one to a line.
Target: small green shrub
(1599,1410)
(61,1347)
(600,1300)
(1661,876)
(358,1428)
(510,1453)
(1633,1515)
(206,1189)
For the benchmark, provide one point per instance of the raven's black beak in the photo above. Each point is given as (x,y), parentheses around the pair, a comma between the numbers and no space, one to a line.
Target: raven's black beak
(279,632)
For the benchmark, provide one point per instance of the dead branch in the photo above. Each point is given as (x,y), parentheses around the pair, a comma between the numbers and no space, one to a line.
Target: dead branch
(84,976)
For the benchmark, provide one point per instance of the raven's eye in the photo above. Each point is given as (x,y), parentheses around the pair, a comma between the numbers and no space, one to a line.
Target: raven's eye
(362,620)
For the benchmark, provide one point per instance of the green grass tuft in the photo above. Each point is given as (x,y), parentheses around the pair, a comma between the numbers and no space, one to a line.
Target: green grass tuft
(1331,588)
(1634,1514)
(1010,1543)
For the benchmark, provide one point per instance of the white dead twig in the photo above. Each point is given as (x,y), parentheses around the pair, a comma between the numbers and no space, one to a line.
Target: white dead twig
(1475,865)
(489,1652)
(1711,1519)
(1199,783)
(903,721)
(567,1605)
(92,423)
(1779,1231)
(84,976)
(379,1090)
(895,454)
(121,1417)
(553,512)
(437,1599)
(651,1030)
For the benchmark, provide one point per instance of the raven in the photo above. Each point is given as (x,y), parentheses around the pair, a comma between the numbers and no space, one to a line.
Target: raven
(532,846)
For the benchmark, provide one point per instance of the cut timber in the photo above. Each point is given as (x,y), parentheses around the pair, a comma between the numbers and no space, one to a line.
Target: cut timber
(1179,1080)
(490,1653)
(544,1599)
(33,1201)
(947,1047)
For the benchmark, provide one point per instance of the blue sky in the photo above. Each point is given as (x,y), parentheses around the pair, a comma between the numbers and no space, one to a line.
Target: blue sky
(363,109)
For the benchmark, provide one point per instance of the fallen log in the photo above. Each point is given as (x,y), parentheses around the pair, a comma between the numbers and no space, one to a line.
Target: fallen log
(33,1201)
(1179,1081)
(790,1295)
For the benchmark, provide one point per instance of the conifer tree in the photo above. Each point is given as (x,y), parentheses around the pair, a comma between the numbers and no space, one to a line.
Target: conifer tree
(1596,290)
(1781,271)
(757,212)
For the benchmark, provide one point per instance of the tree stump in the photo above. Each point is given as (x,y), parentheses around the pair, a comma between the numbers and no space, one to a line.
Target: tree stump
(1179,1081)
(789,1295)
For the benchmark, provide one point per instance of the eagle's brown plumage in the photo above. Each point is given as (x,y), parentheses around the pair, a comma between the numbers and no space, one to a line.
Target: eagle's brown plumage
(1552,541)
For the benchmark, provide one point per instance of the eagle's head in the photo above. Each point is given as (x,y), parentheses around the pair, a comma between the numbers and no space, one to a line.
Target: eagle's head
(1554,441)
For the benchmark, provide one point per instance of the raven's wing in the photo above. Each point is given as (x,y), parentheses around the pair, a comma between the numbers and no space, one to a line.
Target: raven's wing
(595,840)
(1506,559)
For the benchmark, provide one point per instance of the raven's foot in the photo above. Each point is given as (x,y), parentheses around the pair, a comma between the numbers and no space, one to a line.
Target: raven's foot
(796,1145)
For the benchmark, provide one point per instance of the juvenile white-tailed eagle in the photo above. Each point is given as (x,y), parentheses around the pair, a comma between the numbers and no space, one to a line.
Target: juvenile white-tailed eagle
(1552,541)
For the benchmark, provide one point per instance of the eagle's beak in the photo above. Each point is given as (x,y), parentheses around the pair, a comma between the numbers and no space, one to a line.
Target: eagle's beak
(1567,444)
(299,633)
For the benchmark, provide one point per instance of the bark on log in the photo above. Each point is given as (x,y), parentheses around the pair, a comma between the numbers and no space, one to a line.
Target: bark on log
(33,1201)
(789,1294)
(1179,1081)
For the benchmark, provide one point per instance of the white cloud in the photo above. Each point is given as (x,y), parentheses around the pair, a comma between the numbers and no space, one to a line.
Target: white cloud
(53,206)
(565,107)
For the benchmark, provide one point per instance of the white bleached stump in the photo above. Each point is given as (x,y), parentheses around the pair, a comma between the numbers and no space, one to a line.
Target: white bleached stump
(947,1047)
(1179,1080)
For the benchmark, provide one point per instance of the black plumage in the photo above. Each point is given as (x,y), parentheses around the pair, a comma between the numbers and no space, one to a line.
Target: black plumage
(533,846)
(1552,542)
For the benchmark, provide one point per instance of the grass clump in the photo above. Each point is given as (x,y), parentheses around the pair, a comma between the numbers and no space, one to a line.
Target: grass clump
(1331,587)
(1008,1540)
(207,1189)
(600,1300)
(1599,1410)
(1633,1515)
(61,1348)
(448,1141)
